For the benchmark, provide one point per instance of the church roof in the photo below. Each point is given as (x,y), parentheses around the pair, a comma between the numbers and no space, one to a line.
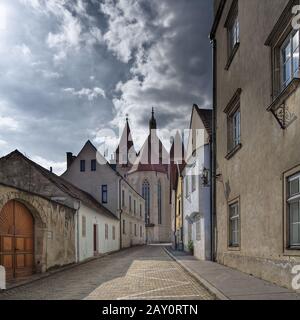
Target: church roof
(152,157)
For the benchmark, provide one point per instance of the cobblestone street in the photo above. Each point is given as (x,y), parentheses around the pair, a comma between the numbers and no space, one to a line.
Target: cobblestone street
(138,273)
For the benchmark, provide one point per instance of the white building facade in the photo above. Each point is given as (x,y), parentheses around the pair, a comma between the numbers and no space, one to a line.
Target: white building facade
(97,233)
(196,187)
(93,174)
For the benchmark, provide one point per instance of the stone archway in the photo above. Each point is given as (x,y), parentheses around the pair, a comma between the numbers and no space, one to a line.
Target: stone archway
(16,240)
(32,243)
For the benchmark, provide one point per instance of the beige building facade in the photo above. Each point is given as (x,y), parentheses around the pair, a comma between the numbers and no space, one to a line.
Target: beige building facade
(256,101)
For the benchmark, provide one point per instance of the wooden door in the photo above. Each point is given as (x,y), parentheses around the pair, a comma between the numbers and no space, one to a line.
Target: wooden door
(16,240)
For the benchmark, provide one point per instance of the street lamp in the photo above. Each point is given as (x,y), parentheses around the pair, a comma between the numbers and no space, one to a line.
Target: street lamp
(205,176)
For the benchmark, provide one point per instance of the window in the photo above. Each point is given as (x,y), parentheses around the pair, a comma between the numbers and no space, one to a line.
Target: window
(106,232)
(135,230)
(134,207)
(234,225)
(233,32)
(93,165)
(130,225)
(104,194)
(159,204)
(146,196)
(233,112)
(141,231)
(141,210)
(82,165)
(290,59)
(124,227)
(130,206)
(293,203)
(114,233)
(284,44)
(236,128)
(83,226)
(198,230)
(123,198)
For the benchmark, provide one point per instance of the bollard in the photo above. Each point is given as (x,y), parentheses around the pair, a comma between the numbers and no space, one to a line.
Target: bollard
(2,278)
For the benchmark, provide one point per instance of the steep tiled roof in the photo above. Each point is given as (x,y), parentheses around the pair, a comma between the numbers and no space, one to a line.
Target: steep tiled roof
(206,117)
(65,186)
(143,161)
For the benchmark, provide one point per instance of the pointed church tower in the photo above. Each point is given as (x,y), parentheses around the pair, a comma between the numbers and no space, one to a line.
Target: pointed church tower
(152,122)
(125,153)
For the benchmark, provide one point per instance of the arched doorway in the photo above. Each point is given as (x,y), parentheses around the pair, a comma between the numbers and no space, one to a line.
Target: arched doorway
(16,240)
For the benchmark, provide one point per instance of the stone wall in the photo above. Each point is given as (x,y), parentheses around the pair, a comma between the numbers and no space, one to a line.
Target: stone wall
(54,228)
(158,233)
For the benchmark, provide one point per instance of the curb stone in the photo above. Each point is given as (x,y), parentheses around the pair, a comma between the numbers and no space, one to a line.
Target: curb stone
(212,289)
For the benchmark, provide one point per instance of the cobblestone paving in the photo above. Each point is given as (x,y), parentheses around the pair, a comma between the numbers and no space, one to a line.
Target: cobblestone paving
(138,273)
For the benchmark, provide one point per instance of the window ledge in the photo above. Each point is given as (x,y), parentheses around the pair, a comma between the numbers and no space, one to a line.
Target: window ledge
(284,94)
(292,252)
(234,248)
(233,151)
(232,55)
(150,225)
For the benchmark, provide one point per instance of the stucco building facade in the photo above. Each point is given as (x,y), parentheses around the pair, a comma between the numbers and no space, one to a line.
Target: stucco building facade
(196,186)
(256,101)
(93,174)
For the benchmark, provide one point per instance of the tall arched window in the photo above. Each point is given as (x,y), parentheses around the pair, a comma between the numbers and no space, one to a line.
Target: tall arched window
(159,202)
(146,196)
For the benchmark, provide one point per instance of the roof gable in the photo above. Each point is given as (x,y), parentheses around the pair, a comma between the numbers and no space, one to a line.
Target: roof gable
(64,186)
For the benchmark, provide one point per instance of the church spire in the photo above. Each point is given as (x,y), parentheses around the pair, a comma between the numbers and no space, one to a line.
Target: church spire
(152,122)
(125,146)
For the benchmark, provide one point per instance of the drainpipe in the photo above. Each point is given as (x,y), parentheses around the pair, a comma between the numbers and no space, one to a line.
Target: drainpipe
(182,211)
(78,232)
(213,149)
(120,210)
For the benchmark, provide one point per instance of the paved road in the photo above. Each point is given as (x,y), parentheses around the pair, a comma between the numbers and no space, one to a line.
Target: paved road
(138,273)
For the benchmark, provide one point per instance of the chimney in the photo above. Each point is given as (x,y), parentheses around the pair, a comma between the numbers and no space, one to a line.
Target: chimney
(51,169)
(70,159)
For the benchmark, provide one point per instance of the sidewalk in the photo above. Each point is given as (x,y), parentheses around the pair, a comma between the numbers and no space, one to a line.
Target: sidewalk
(230,284)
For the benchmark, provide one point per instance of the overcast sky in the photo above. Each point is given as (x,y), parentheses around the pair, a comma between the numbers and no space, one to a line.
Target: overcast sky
(69,68)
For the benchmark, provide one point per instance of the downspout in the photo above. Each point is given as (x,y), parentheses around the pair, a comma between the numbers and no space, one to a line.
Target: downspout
(182,213)
(120,210)
(213,149)
(78,235)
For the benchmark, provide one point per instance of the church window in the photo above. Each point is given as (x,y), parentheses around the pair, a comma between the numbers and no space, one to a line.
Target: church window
(146,196)
(159,204)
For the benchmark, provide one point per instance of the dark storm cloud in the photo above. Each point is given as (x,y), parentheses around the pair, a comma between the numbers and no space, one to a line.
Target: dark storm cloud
(69,68)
